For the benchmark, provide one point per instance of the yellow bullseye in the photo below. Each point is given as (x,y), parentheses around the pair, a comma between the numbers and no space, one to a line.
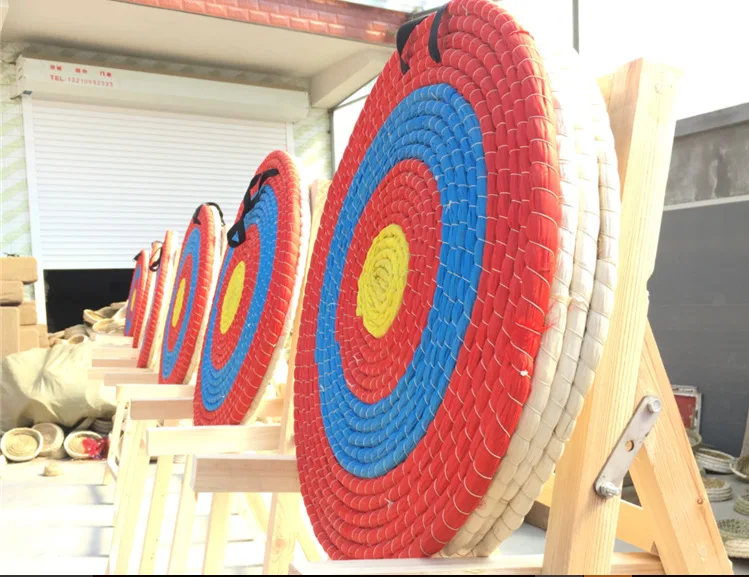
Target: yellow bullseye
(178,302)
(383,280)
(132,301)
(232,297)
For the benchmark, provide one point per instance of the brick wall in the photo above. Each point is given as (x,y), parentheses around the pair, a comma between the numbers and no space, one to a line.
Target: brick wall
(326,17)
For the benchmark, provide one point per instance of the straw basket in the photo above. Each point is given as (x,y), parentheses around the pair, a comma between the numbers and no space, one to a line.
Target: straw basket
(735,534)
(740,468)
(742,505)
(714,461)
(695,439)
(21,444)
(74,444)
(53,436)
(717,490)
(102,426)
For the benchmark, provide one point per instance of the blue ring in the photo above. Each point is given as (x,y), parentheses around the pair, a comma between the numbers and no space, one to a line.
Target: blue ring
(436,125)
(215,384)
(169,356)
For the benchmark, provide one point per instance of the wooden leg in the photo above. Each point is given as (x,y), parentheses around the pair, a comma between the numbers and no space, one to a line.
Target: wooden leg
(669,484)
(582,525)
(184,524)
(218,529)
(127,518)
(305,538)
(282,530)
(125,451)
(114,441)
(156,514)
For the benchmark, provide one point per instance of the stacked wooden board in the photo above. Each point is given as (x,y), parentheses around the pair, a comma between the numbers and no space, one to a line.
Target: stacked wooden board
(19,329)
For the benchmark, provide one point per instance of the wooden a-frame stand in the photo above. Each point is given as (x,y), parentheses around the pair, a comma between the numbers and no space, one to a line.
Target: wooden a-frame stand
(675,525)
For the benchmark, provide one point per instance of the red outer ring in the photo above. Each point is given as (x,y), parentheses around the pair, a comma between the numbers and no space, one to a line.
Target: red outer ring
(142,307)
(159,296)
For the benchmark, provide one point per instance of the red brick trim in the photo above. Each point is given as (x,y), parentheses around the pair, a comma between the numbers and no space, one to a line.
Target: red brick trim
(327,17)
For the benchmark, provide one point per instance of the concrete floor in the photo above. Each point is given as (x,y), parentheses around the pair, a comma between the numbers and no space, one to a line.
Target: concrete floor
(63,525)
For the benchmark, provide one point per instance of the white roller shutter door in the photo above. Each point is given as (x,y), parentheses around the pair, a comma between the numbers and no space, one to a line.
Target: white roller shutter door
(111,180)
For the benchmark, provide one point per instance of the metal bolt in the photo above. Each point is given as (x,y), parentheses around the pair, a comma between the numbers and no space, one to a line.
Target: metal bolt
(655,406)
(608,490)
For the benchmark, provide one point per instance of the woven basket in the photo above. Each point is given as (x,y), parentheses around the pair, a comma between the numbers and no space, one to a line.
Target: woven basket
(717,489)
(735,535)
(21,444)
(695,439)
(740,468)
(74,444)
(102,426)
(741,506)
(714,461)
(53,436)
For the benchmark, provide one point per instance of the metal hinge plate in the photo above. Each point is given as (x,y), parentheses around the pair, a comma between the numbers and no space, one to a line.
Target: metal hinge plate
(609,482)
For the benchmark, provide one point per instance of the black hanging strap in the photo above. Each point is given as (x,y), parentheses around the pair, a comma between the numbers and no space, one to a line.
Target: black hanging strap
(248,203)
(405,31)
(154,266)
(197,212)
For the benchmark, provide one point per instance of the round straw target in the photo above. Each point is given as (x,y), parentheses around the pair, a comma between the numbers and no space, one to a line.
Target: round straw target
(136,292)
(429,287)
(258,282)
(163,267)
(143,306)
(192,292)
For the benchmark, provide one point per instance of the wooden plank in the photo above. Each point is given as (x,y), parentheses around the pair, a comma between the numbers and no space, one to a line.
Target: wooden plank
(633,526)
(245,474)
(218,529)
(179,405)
(156,514)
(127,516)
(110,351)
(114,376)
(112,340)
(642,118)
(19,268)
(132,391)
(29,338)
(11,292)
(10,331)
(110,473)
(156,408)
(114,362)
(669,484)
(210,439)
(622,564)
(184,523)
(28,313)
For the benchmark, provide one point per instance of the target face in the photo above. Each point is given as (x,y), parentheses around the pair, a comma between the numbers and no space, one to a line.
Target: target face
(163,274)
(192,291)
(427,289)
(253,295)
(136,291)
(145,300)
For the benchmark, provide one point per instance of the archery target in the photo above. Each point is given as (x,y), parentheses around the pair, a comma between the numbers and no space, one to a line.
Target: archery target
(192,292)
(257,289)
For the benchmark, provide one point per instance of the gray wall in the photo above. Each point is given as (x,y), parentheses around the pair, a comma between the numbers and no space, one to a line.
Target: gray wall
(699,292)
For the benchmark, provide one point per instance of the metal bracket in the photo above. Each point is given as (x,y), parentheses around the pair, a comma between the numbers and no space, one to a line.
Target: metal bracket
(609,482)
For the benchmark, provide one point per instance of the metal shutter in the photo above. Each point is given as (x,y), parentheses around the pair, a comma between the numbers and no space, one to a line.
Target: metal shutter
(111,180)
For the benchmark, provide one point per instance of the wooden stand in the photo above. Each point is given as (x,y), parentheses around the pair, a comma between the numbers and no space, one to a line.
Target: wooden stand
(164,443)
(675,525)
